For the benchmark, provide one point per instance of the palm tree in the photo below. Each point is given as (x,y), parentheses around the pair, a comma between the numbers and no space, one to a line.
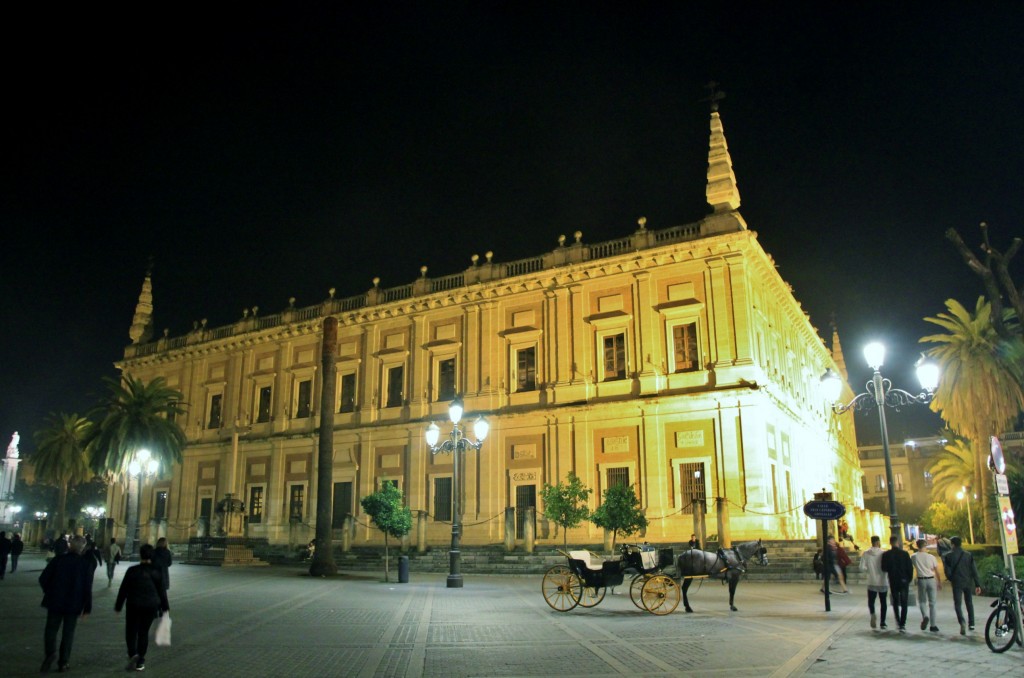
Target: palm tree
(980,391)
(952,470)
(60,457)
(132,417)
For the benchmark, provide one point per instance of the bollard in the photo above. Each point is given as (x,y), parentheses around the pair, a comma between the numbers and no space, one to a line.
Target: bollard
(403,569)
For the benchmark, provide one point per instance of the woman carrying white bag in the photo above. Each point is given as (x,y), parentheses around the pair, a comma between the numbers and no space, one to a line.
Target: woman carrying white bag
(143,590)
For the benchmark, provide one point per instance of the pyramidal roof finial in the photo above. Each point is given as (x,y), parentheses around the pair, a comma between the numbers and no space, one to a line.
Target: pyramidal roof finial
(722,192)
(142,324)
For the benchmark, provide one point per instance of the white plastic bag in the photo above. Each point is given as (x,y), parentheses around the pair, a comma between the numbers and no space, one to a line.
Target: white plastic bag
(163,630)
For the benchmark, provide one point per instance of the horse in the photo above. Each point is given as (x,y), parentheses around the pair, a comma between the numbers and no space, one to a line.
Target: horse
(727,564)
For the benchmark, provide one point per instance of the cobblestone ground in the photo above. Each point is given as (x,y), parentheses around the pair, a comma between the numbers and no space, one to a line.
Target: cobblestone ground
(279,622)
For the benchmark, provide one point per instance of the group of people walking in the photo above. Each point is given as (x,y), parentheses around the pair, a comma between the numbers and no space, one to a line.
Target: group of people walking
(67,582)
(892,571)
(10,548)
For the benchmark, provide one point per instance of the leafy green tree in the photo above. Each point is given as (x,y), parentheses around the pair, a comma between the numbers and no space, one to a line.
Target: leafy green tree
(565,504)
(133,416)
(943,518)
(60,458)
(388,512)
(619,512)
(980,392)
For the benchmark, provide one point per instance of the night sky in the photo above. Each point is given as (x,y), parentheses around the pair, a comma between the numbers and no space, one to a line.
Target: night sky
(262,154)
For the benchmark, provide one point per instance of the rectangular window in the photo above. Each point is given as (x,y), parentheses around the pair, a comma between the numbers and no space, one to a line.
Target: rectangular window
(389,481)
(898,481)
(929,479)
(864,484)
(348,393)
(443,498)
(526,499)
(215,411)
(304,403)
(446,379)
(396,376)
(775,491)
(256,504)
(879,483)
(263,407)
(614,357)
(295,501)
(160,505)
(684,347)
(342,507)
(691,484)
(617,476)
(526,369)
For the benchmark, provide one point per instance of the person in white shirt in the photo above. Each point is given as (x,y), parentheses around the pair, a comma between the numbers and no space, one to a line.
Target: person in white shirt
(926,566)
(878,582)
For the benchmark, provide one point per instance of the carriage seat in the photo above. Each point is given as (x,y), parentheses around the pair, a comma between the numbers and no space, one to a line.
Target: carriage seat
(591,560)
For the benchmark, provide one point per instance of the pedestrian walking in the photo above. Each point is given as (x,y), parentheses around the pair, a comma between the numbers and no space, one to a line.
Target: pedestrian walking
(817,564)
(5,551)
(17,546)
(943,546)
(144,595)
(878,584)
(962,573)
(163,560)
(112,555)
(836,561)
(928,584)
(899,569)
(67,596)
(694,543)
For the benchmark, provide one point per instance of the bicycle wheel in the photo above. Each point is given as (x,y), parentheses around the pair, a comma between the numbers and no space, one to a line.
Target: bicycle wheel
(636,587)
(592,595)
(561,588)
(1000,629)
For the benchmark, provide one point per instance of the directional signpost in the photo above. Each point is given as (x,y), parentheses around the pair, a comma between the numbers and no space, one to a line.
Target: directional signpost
(825,510)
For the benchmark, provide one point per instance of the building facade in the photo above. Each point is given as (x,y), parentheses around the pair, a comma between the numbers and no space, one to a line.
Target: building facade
(676,361)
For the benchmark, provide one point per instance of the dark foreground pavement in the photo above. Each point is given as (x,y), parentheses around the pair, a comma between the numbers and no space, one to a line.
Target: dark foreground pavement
(279,622)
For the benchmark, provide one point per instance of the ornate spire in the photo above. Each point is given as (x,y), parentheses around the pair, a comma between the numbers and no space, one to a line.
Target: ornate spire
(142,324)
(722,193)
(837,352)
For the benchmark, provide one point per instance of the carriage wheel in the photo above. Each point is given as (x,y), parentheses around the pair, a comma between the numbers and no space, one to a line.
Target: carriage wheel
(592,595)
(636,588)
(561,588)
(661,594)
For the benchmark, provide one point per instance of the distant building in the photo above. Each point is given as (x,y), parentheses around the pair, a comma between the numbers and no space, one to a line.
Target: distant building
(676,361)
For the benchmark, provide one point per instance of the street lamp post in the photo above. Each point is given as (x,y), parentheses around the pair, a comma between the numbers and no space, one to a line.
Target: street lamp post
(456,444)
(881,394)
(94,513)
(961,495)
(143,463)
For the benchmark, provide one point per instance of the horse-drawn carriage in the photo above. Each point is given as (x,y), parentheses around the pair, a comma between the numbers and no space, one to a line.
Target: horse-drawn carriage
(586,576)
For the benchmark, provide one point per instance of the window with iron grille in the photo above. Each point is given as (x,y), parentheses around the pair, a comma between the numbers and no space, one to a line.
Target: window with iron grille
(614,357)
(304,402)
(295,500)
(348,393)
(256,504)
(446,379)
(526,369)
(684,347)
(160,505)
(617,476)
(691,484)
(443,498)
(263,408)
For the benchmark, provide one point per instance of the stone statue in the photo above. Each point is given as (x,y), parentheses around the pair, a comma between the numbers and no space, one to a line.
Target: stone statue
(12,449)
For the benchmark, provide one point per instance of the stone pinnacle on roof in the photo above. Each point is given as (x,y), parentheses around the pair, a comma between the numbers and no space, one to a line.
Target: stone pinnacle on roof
(142,324)
(837,353)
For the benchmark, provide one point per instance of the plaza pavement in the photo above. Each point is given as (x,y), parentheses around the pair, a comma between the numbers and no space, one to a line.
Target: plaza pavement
(278,621)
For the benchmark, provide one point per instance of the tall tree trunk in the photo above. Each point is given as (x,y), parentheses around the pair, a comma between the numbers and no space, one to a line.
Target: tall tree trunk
(60,520)
(323,558)
(386,573)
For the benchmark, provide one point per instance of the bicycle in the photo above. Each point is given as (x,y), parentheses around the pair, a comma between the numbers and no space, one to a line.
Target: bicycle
(1001,627)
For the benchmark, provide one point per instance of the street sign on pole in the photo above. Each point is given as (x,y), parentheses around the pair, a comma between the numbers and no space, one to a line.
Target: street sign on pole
(824,510)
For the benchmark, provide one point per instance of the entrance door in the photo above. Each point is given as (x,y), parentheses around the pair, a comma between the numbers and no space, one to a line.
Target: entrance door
(526,497)
(342,504)
(205,515)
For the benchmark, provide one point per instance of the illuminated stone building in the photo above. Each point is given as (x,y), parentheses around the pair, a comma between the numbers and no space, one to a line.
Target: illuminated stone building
(675,360)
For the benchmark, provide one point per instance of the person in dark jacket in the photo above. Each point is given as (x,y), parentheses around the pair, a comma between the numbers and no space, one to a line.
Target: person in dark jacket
(5,550)
(162,559)
(897,565)
(17,546)
(145,595)
(67,595)
(962,573)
